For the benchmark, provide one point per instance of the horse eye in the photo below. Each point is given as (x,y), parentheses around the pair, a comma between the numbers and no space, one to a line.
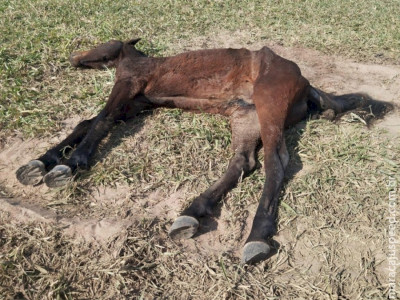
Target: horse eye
(105,58)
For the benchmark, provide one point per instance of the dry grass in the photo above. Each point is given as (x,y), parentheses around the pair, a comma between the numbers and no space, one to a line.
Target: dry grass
(332,234)
(332,227)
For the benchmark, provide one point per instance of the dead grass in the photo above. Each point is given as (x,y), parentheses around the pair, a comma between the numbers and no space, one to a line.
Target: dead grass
(332,235)
(332,227)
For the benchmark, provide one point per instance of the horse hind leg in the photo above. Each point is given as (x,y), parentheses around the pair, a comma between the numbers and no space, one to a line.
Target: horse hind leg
(272,108)
(245,143)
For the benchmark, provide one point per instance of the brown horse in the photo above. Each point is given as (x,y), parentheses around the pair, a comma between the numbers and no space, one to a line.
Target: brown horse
(261,93)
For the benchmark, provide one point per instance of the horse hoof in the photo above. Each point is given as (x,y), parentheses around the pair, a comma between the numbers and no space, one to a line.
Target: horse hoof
(254,252)
(31,173)
(184,227)
(59,176)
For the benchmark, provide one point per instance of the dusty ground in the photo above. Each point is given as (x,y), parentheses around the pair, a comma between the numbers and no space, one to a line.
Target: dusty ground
(324,253)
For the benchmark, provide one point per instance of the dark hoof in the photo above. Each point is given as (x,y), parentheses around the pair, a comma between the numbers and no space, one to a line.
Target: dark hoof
(31,173)
(59,176)
(254,252)
(184,227)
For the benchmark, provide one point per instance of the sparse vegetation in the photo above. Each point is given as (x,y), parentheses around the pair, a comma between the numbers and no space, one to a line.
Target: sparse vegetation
(332,230)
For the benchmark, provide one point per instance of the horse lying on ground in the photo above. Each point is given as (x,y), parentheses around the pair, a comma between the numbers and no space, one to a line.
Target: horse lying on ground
(260,92)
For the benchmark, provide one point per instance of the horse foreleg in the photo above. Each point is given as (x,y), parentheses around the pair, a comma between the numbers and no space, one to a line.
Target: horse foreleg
(32,173)
(275,94)
(120,105)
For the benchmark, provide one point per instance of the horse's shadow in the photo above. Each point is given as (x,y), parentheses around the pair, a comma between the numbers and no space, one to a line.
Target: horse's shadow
(122,130)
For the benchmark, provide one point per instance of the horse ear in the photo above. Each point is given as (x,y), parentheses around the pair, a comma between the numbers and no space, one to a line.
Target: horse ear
(133,42)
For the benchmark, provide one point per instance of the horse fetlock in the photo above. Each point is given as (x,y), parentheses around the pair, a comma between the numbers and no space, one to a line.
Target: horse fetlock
(264,228)
(32,173)
(59,176)
(200,207)
(77,161)
(51,158)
